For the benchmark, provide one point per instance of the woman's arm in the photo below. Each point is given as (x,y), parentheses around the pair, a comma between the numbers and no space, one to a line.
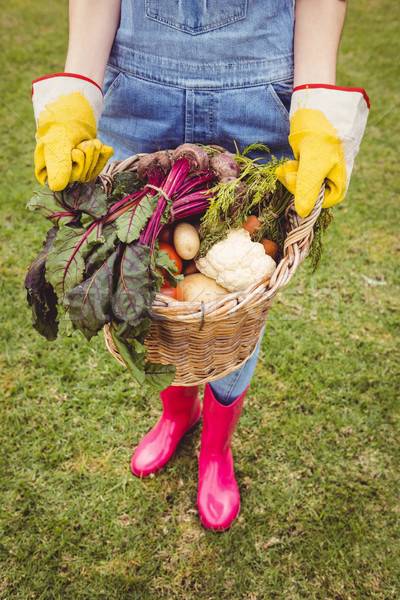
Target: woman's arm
(317,30)
(92,28)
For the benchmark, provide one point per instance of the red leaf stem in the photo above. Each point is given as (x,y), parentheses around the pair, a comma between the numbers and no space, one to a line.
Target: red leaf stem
(79,244)
(60,215)
(195,180)
(176,177)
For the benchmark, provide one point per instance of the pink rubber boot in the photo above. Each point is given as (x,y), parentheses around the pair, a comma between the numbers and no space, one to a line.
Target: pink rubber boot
(181,412)
(218,495)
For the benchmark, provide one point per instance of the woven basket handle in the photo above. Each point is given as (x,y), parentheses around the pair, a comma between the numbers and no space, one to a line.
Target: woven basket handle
(305,226)
(297,243)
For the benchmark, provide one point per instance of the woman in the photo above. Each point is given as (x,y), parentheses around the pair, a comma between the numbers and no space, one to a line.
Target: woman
(207,72)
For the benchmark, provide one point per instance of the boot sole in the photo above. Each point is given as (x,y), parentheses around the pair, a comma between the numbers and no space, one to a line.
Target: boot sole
(219,529)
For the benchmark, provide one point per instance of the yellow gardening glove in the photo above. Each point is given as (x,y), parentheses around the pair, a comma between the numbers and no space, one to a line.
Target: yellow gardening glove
(88,159)
(67,108)
(326,127)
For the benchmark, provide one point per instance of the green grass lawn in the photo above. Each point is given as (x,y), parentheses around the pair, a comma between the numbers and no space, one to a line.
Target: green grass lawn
(317,447)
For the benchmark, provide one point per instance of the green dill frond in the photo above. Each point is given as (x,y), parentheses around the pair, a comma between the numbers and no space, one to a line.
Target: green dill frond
(211,151)
(255,191)
(325,218)
(256,147)
(208,239)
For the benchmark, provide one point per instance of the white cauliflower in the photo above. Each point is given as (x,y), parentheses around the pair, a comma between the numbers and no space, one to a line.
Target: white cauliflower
(236,262)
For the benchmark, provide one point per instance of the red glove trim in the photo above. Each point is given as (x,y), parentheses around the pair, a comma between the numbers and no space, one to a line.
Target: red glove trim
(333,87)
(66,75)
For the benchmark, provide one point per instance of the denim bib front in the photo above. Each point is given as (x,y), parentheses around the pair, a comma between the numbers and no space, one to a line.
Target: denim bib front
(206,71)
(206,43)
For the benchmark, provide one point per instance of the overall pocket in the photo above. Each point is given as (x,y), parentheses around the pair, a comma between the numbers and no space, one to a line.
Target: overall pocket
(282,94)
(112,80)
(196,16)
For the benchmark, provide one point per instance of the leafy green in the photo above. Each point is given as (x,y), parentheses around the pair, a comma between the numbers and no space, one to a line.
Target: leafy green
(100,252)
(94,270)
(40,293)
(66,260)
(124,184)
(133,355)
(154,375)
(48,204)
(130,332)
(131,223)
(88,198)
(90,302)
(78,204)
(159,376)
(163,261)
(135,289)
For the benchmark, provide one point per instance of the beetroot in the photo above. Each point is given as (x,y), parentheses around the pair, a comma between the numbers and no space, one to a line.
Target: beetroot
(227,179)
(225,166)
(240,199)
(197,156)
(157,160)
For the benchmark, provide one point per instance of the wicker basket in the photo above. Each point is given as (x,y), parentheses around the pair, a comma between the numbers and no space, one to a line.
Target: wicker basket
(208,341)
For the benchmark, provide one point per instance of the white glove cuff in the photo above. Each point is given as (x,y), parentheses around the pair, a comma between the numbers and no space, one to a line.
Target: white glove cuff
(49,88)
(346,108)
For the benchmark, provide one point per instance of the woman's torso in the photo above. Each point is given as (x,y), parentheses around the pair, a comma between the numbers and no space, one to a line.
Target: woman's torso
(204,71)
(206,43)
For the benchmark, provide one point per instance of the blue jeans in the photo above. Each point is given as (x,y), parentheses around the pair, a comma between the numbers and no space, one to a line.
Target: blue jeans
(211,73)
(230,387)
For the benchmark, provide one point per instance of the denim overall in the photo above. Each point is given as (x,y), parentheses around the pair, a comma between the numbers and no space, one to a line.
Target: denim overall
(205,71)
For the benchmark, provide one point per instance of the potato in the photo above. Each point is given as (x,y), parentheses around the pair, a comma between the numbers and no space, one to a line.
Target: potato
(197,287)
(186,240)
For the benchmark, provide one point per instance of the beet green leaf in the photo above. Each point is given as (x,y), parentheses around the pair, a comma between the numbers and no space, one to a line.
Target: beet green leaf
(163,261)
(50,205)
(88,198)
(66,261)
(40,293)
(131,222)
(90,301)
(101,251)
(130,332)
(152,375)
(133,355)
(159,376)
(136,289)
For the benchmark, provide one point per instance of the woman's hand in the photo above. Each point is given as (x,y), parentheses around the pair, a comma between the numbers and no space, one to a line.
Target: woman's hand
(326,127)
(67,108)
